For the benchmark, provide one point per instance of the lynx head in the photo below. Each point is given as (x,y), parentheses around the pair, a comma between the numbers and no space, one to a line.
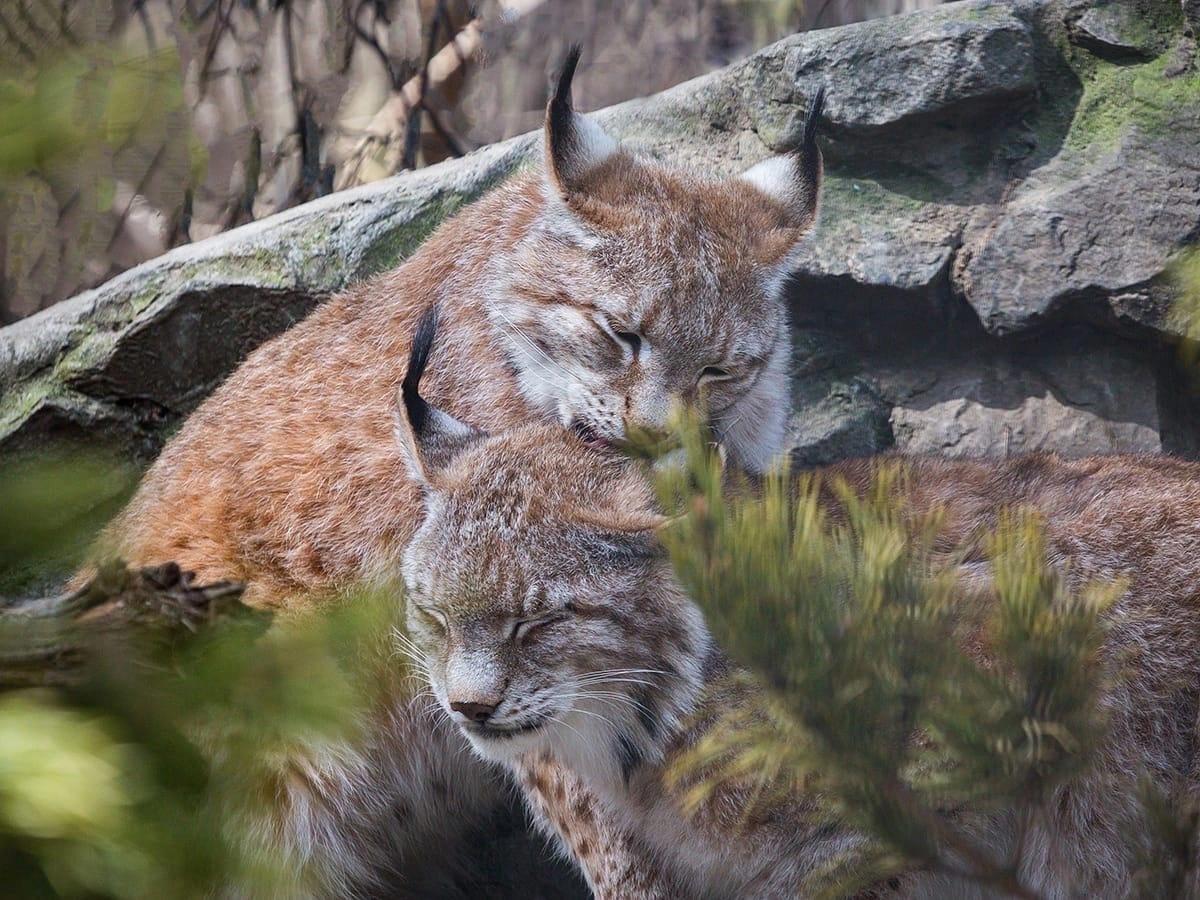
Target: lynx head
(638,287)
(539,604)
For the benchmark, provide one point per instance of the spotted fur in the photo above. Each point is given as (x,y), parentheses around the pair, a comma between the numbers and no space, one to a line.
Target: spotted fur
(562,646)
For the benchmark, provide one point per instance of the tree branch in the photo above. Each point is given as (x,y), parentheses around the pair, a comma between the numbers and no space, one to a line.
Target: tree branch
(22,48)
(412,129)
(979,866)
(46,642)
(388,126)
(452,141)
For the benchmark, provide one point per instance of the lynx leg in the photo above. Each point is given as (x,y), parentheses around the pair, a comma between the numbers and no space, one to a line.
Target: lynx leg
(616,865)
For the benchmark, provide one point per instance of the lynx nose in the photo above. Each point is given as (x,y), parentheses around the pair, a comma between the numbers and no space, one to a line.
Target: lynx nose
(476,712)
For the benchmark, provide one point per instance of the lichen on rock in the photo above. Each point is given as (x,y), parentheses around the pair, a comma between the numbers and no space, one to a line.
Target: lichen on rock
(1018,178)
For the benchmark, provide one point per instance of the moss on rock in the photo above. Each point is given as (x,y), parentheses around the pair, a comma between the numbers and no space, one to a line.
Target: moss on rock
(1119,97)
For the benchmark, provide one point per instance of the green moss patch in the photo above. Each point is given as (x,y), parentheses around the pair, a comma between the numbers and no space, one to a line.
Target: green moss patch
(399,242)
(856,198)
(1117,98)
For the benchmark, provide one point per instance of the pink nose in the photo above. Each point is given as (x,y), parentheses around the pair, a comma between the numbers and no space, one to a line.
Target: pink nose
(476,712)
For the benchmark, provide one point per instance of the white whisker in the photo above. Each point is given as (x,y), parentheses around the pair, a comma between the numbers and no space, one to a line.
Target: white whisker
(545,359)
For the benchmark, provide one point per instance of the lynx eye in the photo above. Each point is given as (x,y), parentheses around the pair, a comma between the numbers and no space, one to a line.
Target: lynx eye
(629,339)
(434,618)
(714,373)
(523,628)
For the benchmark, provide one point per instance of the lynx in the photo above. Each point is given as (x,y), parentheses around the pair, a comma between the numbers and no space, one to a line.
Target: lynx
(556,637)
(596,293)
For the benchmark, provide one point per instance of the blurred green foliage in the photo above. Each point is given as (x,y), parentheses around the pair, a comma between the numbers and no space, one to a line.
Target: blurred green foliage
(154,773)
(51,506)
(95,150)
(898,690)
(157,777)
(84,103)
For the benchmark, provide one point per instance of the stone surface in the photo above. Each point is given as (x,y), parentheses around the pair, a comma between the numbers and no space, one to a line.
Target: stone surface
(140,351)
(1191,15)
(1098,225)
(883,75)
(1010,183)
(1078,397)
(838,420)
(1118,28)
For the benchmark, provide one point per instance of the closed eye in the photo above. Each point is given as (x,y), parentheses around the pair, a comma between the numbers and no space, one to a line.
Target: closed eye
(628,340)
(523,628)
(435,618)
(714,373)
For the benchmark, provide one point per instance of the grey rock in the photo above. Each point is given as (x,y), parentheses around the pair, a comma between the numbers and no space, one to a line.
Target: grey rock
(1191,16)
(127,359)
(1120,28)
(1095,228)
(837,420)
(1078,400)
(886,73)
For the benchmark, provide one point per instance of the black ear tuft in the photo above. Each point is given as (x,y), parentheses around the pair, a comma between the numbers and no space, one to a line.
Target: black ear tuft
(808,154)
(428,437)
(561,136)
(574,145)
(566,74)
(793,180)
(415,406)
(812,119)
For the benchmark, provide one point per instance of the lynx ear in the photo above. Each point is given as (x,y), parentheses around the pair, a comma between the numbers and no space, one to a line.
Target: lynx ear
(574,145)
(429,438)
(794,179)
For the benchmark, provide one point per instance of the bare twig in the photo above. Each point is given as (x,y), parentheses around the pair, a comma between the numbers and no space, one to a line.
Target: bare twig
(220,26)
(412,130)
(31,23)
(59,20)
(200,15)
(388,128)
(453,142)
(22,48)
(394,77)
(139,191)
(821,13)
(46,642)
(979,866)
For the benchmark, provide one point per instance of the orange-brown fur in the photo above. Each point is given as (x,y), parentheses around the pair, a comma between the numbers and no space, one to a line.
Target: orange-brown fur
(289,478)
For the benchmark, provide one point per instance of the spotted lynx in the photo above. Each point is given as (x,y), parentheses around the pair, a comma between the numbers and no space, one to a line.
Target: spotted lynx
(556,637)
(596,293)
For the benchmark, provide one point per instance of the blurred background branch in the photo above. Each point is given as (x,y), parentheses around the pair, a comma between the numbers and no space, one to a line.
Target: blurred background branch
(132,126)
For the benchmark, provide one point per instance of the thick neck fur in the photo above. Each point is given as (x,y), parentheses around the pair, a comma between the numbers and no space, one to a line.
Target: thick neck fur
(636,719)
